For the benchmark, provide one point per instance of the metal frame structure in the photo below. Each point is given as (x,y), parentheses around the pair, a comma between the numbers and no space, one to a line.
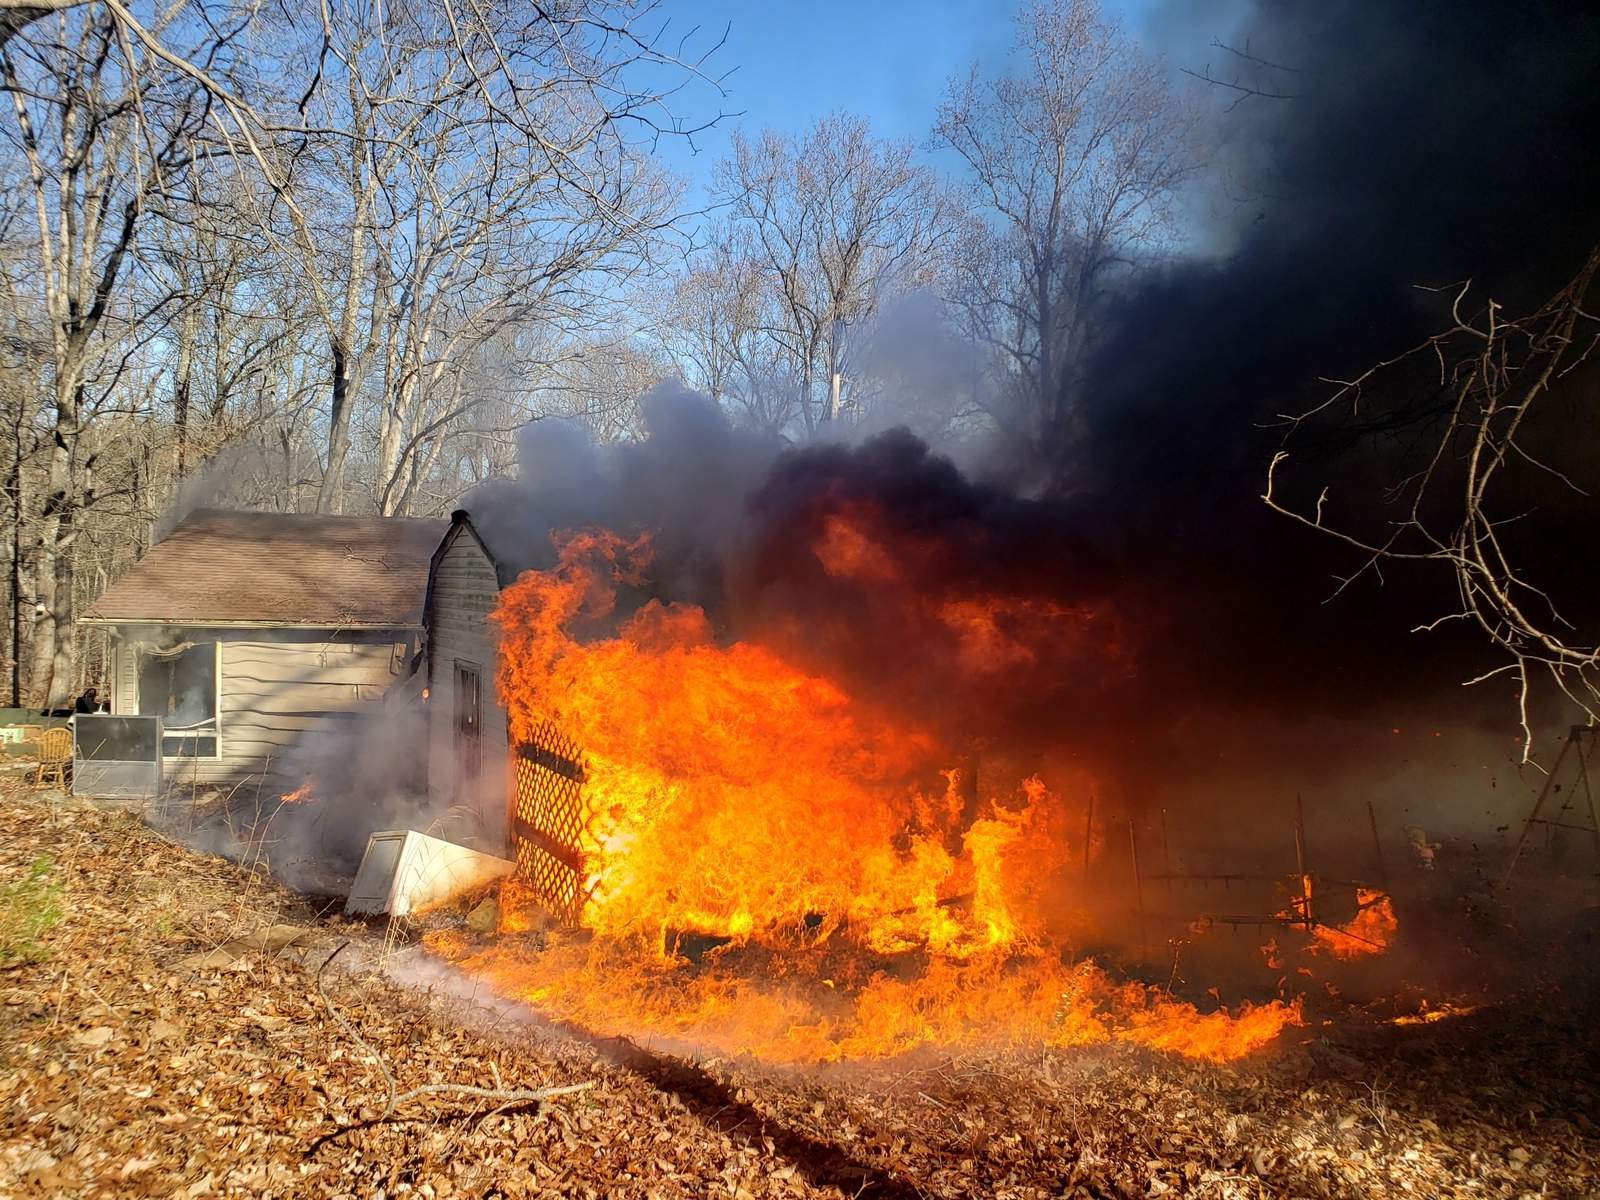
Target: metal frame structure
(1300,914)
(1574,741)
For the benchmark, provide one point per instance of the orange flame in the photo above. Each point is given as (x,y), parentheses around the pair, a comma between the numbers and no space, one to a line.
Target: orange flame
(300,795)
(857,900)
(992,634)
(1431,1015)
(1370,931)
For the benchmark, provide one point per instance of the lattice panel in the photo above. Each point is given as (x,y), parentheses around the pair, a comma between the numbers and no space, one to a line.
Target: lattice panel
(549,821)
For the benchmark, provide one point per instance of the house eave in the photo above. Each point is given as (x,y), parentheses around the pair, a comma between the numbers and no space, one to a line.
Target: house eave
(109,622)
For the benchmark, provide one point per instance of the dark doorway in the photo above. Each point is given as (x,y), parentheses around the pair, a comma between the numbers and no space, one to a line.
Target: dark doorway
(469,730)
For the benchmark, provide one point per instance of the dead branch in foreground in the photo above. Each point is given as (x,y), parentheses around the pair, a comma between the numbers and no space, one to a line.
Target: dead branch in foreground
(505,1096)
(1494,373)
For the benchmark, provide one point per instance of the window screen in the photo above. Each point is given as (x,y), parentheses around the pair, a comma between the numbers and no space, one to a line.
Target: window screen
(180,687)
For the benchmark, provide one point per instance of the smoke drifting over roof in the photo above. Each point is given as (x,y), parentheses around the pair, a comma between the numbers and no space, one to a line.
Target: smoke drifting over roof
(686,481)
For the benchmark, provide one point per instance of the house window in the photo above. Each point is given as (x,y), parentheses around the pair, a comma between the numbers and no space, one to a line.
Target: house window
(180,686)
(469,729)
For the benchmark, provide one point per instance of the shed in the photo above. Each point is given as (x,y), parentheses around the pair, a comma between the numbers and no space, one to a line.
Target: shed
(469,761)
(525,801)
(251,633)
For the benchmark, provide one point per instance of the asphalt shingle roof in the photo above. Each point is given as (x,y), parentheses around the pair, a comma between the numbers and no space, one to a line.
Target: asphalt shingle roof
(279,569)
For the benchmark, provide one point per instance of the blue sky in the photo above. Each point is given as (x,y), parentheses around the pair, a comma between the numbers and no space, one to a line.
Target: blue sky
(795,60)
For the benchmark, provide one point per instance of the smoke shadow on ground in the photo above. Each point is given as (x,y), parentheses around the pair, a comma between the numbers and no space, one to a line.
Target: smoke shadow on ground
(715,1103)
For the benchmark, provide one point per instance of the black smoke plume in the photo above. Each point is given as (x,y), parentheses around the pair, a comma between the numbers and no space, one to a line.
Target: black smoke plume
(1424,143)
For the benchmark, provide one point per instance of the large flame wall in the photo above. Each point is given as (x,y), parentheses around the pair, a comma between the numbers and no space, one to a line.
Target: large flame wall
(863,896)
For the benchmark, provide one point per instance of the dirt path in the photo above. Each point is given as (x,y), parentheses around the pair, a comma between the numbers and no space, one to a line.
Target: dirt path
(161,1034)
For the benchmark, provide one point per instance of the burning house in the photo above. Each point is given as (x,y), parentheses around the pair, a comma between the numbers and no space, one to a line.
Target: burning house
(252,633)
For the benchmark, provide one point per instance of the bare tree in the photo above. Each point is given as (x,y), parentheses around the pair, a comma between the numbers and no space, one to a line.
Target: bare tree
(716,322)
(831,223)
(449,173)
(707,311)
(1490,428)
(1075,155)
(601,383)
(230,324)
(17,15)
(105,142)
(1247,75)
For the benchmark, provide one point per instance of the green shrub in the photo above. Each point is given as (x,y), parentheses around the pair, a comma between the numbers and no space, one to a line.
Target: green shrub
(30,907)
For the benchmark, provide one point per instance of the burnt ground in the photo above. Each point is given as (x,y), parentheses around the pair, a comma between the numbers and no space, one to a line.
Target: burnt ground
(162,1034)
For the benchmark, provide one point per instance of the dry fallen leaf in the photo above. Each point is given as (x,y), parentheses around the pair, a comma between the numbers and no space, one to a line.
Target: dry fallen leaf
(270,1023)
(230,1100)
(134,1165)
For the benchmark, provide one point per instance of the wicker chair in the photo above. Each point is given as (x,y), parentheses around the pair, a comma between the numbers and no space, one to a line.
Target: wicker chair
(55,753)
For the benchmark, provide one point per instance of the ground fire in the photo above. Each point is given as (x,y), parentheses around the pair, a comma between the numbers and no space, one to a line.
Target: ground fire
(773,866)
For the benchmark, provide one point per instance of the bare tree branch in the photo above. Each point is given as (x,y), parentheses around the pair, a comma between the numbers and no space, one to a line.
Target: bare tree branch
(1495,376)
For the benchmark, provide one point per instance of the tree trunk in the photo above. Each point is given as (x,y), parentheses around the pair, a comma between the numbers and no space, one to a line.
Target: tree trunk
(53,611)
(180,390)
(14,491)
(52,649)
(330,493)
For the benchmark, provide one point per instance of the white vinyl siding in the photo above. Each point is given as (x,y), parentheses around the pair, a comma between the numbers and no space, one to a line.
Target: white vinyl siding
(278,689)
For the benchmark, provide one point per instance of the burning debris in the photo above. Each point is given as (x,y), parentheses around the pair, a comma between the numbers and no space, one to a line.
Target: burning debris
(304,794)
(1369,932)
(1432,1014)
(261,1067)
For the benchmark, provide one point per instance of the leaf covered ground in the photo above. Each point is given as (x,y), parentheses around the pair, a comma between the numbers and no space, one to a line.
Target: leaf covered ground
(162,1034)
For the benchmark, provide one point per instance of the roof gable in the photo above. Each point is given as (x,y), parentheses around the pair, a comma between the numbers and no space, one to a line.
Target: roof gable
(253,568)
